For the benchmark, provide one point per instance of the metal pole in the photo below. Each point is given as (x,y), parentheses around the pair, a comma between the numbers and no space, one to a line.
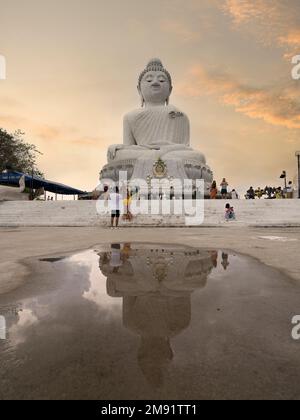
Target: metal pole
(32,184)
(298,155)
(285,182)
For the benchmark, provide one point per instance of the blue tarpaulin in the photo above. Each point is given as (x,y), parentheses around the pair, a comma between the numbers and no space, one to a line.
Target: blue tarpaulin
(12,178)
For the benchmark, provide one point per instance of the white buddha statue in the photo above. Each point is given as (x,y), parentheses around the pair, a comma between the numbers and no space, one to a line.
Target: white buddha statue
(155,131)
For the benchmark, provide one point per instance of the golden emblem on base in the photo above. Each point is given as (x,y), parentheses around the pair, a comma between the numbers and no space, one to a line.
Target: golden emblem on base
(160,168)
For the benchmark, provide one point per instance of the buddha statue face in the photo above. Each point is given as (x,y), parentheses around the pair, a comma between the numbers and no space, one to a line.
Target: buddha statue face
(155,88)
(155,84)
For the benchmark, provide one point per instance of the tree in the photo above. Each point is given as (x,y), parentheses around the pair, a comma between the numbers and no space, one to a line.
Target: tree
(17,154)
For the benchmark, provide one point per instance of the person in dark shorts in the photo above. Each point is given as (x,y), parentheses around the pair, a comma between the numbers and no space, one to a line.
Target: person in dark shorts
(224,188)
(115,200)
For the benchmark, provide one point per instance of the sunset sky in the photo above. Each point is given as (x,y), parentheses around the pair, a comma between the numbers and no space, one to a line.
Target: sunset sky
(72,69)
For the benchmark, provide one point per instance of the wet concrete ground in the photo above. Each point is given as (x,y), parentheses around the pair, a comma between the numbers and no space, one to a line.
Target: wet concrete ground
(138,321)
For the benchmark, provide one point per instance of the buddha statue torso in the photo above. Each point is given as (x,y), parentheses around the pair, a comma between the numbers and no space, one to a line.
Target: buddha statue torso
(156,126)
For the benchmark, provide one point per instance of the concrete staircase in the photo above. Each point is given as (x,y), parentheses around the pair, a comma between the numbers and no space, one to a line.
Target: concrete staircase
(84,213)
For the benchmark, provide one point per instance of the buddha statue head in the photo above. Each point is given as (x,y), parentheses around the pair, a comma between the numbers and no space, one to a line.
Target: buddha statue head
(155,84)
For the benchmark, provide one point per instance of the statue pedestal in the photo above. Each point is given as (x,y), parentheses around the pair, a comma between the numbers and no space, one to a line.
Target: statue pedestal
(170,170)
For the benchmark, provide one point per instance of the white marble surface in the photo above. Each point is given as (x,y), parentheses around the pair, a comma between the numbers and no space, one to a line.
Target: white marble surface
(12,194)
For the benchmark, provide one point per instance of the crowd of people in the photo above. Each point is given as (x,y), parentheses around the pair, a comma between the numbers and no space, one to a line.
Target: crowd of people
(271,192)
(251,194)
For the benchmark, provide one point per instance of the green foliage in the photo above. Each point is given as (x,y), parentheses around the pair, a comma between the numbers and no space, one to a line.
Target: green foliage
(17,154)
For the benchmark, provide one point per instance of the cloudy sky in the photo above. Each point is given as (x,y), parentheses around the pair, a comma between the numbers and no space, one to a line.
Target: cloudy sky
(72,68)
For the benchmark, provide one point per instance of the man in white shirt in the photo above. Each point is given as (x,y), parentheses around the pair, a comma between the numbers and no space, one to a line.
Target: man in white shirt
(115,201)
(289,190)
(234,195)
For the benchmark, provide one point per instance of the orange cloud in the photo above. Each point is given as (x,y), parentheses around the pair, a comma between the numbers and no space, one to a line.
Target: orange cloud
(278,105)
(245,10)
(292,38)
(48,133)
(274,22)
(179,29)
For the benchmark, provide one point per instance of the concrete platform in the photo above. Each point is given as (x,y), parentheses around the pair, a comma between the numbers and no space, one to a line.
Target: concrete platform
(240,354)
(12,194)
(84,213)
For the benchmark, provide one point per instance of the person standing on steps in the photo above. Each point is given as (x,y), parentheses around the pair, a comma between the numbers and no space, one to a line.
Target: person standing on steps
(115,200)
(289,190)
(127,216)
(234,195)
(105,197)
(213,191)
(224,188)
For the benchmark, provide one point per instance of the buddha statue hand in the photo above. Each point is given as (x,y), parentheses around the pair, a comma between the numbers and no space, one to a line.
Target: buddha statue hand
(112,151)
(112,154)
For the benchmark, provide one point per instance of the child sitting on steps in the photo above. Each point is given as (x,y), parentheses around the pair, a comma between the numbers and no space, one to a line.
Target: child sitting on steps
(229,212)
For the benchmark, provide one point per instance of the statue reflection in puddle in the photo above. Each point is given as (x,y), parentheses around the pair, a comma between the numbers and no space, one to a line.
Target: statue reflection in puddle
(156,285)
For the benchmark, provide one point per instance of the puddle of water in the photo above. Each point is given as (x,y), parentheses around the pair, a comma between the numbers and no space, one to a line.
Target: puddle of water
(146,321)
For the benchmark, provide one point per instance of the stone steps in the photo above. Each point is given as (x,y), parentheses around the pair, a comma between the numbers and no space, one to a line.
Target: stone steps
(84,213)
